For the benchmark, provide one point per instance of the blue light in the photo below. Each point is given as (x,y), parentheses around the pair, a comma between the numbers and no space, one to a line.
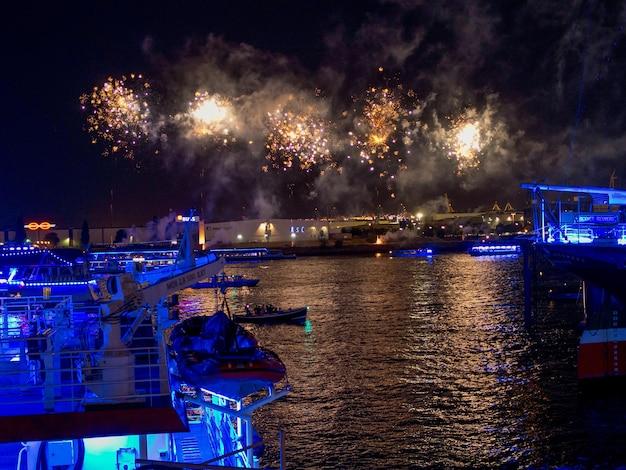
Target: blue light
(495,249)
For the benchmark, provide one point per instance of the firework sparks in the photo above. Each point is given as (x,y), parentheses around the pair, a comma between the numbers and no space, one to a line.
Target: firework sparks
(384,130)
(296,140)
(211,116)
(379,121)
(467,145)
(465,141)
(118,113)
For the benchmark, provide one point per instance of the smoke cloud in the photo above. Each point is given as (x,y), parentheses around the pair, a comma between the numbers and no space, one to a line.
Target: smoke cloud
(542,109)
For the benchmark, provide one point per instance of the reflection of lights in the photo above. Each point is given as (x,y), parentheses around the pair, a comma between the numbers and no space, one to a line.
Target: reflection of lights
(379,240)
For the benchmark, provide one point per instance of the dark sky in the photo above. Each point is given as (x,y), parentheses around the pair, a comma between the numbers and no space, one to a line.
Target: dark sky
(517,64)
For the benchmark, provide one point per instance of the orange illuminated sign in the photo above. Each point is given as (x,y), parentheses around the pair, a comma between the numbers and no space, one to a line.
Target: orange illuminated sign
(39,226)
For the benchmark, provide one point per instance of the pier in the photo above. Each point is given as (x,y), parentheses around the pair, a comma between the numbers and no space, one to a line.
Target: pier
(582,230)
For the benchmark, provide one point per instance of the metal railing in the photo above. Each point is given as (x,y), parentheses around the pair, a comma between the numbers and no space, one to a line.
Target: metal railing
(211,463)
(35,378)
(50,360)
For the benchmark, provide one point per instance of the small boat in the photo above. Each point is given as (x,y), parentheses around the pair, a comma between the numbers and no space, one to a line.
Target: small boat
(216,354)
(269,314)
(223,281)
(414,253)
(490,249)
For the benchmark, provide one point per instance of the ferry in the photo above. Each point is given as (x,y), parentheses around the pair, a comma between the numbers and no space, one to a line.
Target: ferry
(96,384)
(238,255)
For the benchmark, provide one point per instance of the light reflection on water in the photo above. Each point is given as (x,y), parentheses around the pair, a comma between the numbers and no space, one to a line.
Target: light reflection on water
(411,362)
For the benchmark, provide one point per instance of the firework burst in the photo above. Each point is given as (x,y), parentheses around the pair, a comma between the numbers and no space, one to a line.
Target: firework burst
(381,115)
(211,116)
(383,130)
(466,139)
(296,141)
(118,114)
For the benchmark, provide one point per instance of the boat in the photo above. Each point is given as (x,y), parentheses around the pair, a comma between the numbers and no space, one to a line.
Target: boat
(117,259)
(238,255)
(491,249)
(412,253)
(269,314)
(28,270)
(223,281)
(86,383)
(215,353)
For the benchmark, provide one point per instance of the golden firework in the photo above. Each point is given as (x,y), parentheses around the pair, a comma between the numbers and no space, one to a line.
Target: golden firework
(118,113)
(296,140)
(465,141)
(211,116)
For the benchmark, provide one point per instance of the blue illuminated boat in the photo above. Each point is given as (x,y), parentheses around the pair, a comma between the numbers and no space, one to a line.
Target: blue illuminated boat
(89,384)
(223,281)
(118,259)
(32,270)
(239,255)
(271,315)
(491,249)
(412,253)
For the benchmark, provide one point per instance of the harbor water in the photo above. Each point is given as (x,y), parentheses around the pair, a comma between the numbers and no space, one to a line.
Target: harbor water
(414,362)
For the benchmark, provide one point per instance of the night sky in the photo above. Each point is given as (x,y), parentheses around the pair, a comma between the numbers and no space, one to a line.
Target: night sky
(545,78)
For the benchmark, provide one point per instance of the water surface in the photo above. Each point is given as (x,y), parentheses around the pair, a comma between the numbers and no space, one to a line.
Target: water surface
(412,363)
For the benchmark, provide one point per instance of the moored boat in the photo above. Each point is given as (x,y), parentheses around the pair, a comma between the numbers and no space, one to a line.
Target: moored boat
(215,353)
(269,314)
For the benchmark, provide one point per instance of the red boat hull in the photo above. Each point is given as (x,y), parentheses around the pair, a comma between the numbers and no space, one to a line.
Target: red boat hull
(602,353)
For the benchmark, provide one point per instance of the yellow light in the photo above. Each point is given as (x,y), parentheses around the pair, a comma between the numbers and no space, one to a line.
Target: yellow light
(468,138)
(210,111)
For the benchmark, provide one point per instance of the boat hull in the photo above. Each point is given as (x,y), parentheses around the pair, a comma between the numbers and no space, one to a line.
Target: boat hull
(234,377)
(602,353)
(416,253)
